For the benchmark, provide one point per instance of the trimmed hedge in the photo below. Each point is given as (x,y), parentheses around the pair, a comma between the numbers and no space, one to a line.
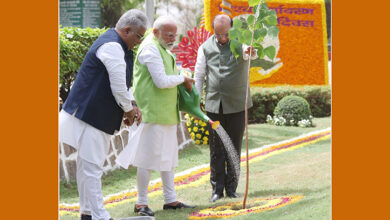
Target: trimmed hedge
(74,44)
(266,99)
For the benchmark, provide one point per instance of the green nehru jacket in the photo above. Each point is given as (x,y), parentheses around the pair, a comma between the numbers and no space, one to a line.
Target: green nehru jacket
(226,78)
(158,106)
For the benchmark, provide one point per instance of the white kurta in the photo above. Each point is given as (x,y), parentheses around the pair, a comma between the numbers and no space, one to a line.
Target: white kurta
(73,129)
(157,147)
(154,147)
(93,144)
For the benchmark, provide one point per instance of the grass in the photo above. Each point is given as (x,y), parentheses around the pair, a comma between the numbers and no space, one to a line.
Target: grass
(305,171)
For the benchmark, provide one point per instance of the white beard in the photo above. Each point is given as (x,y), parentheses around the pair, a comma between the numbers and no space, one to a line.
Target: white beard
(164,44)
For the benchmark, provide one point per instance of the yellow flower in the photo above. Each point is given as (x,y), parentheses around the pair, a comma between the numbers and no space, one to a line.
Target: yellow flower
(188,124)
(204,142)
(202,129)
(207,132)
(205,139)
(192,135)
(204,124)
(196,121)
(197,142)
(189,129)
(198,136)
(195,129)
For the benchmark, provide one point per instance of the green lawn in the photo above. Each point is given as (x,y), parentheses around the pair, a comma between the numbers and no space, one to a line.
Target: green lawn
(305,171)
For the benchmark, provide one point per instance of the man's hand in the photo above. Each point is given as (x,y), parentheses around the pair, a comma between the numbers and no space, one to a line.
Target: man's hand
(188,83)
(138,114)
(248,50)
(129,117)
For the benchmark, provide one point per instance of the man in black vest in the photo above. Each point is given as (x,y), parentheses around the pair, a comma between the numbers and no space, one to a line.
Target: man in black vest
(98,101)
(224,101)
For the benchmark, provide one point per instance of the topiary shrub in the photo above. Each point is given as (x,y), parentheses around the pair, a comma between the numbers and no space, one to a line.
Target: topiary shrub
(266,99)
(292,111)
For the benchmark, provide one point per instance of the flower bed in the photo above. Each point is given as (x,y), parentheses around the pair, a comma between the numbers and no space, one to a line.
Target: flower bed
(202,175)
(253,206)
(302,39)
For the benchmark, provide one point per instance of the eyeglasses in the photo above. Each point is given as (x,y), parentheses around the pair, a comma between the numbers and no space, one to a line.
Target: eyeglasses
(138,35)
(222,35)
(170,35)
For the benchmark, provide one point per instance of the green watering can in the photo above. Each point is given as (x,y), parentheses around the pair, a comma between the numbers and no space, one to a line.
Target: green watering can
(189,102)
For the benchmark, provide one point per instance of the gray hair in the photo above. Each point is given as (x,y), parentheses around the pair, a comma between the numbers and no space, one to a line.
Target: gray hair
(161,21)
(132,17)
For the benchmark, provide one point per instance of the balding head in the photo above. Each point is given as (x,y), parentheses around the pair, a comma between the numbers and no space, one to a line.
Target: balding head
(221,25)
(222,19)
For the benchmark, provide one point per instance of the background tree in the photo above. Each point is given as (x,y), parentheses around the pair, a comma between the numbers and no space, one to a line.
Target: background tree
(187,14)
(111,10)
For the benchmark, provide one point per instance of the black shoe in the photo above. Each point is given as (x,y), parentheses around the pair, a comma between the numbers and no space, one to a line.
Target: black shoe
(144,211)
(232,195)
(179,205)
(86,217)
(215,197)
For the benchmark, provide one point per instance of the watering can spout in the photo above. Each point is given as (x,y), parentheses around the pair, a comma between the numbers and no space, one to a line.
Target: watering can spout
(189,102)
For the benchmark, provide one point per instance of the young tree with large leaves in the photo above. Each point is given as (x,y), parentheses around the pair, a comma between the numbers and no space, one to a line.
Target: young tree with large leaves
(251,30)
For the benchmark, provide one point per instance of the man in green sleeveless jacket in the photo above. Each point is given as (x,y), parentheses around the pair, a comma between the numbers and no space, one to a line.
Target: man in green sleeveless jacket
(224,100)
(155,90)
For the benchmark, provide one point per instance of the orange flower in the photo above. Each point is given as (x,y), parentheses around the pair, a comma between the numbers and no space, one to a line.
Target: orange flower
(302,37)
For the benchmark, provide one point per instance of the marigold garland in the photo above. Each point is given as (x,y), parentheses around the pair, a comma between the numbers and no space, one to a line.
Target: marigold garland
(227,211)
(201,176)
(303,48)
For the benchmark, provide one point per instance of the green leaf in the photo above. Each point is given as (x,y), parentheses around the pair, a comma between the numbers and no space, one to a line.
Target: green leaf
(237,23)
(234,33)
(257,45)
(245,37)
(256,35)
(270,52)
(251,20)
(264,6)
(273,31)
(270,21)
(244,23)
(265,64)
(259,35)
(252,3)
(262,13)
(260,52)
(256,10)
(263,32)
(272,13)
(258,25)
(235,47)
